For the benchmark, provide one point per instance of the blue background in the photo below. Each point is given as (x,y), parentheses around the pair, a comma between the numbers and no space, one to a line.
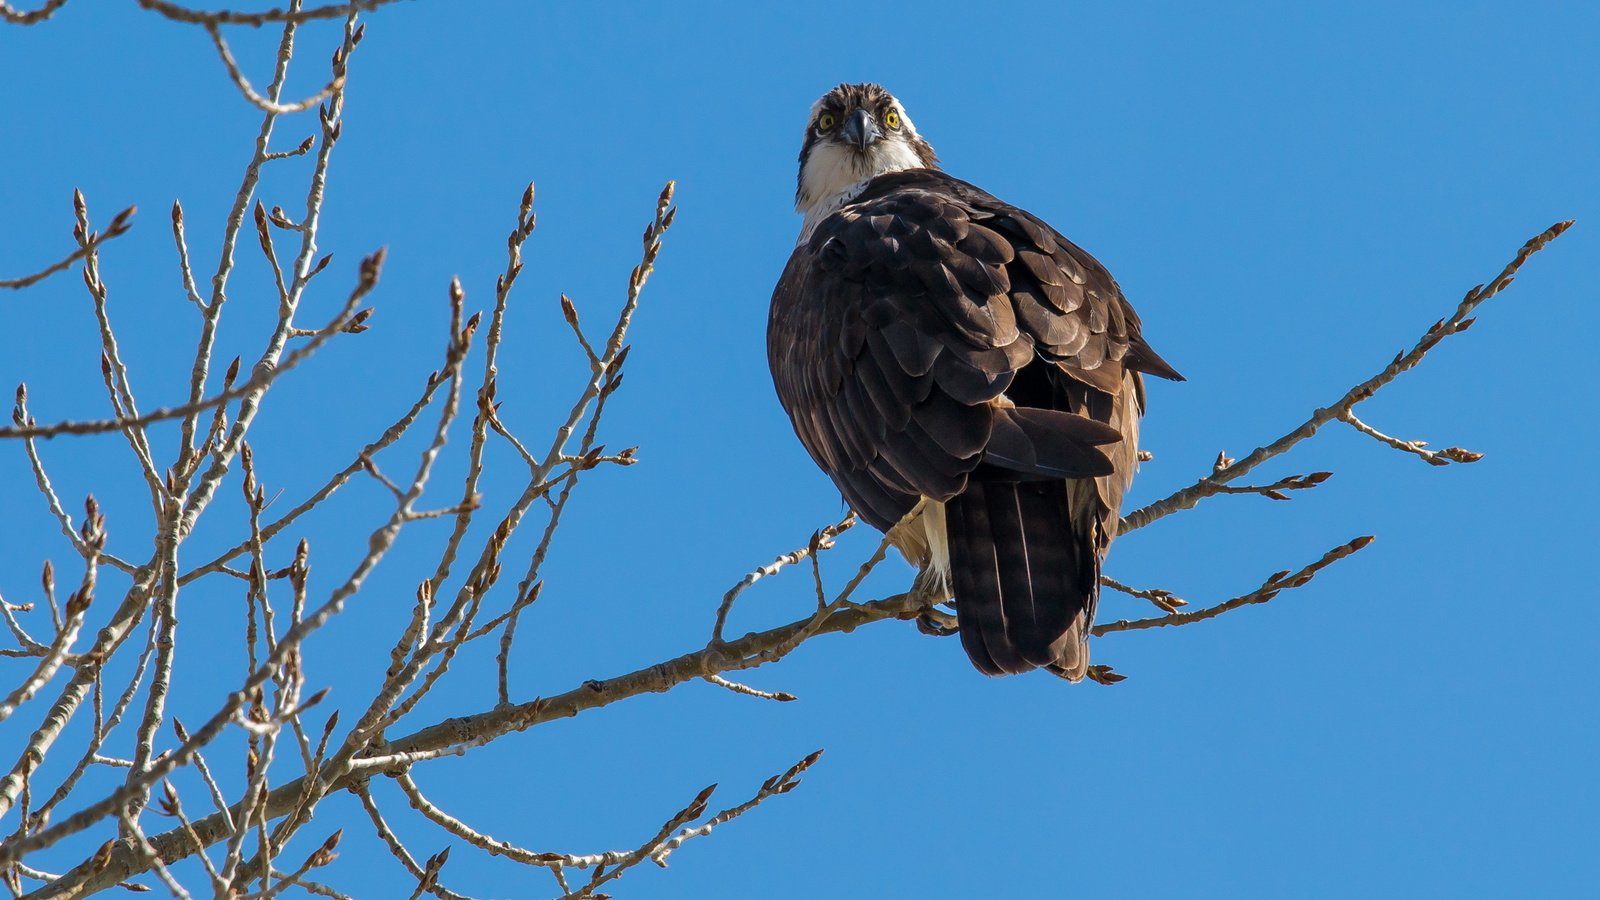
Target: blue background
(1288,195)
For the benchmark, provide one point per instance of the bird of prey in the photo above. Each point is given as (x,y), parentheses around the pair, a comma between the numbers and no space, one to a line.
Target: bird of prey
(945,353)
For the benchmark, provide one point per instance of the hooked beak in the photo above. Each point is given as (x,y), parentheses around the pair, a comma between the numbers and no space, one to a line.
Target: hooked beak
(860,129)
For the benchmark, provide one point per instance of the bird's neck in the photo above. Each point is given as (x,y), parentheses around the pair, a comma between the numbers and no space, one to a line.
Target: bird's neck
(832,176)
(816,212)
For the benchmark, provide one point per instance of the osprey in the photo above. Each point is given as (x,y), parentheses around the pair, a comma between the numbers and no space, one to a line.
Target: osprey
(943,353)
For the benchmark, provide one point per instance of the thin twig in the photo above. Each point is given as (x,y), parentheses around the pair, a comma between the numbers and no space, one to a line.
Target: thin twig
(462,830)
(782,783)
(1433,457)
(243,84)
(822,540)
(1166,600)
(1275,584)
(185,272)
(748,691)
(118,227)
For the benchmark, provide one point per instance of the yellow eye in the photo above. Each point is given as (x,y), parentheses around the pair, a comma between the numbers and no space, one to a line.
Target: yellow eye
(892,119)
(826,121)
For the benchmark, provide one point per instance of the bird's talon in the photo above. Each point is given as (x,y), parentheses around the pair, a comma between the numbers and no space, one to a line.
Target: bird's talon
(932,622)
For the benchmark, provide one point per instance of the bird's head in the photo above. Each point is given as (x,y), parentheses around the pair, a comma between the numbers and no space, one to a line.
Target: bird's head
(856,131)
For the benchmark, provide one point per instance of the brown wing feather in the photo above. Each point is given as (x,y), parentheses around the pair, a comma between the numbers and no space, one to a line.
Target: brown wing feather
(928,338)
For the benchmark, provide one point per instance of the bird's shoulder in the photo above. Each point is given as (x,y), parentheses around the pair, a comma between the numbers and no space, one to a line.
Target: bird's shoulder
(951,259)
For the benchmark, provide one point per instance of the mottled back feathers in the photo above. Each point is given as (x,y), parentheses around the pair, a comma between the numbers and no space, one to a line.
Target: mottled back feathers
(899,326)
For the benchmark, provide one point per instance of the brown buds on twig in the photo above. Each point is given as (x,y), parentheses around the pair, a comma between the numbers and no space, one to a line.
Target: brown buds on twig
(1165,600)
(320,265)
(1417,448)
(1274,584)
(87,243)
(358,322)
(1103,674)
(430,873)
(1275,490)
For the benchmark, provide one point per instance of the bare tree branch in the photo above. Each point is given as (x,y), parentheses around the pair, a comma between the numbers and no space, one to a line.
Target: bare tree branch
(1459,321)
(293,15)
(18,17)
(1275,584)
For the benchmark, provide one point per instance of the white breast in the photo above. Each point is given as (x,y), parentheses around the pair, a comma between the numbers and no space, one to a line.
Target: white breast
(833,175)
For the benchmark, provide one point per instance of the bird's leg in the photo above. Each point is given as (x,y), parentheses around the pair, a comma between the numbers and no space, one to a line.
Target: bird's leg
(931,589)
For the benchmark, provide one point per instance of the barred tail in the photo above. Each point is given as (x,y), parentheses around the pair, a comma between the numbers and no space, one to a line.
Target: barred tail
(1025,583)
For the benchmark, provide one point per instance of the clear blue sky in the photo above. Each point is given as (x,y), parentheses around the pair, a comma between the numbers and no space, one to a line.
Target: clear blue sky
(1288,195)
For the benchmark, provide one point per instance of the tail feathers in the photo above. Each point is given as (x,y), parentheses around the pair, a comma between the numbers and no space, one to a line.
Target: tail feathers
(1024,583)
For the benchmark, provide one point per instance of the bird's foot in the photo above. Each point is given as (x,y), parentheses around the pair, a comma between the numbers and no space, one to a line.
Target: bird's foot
(936,622)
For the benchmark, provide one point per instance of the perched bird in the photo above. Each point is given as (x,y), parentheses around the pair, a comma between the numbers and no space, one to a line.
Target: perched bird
(944,353)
